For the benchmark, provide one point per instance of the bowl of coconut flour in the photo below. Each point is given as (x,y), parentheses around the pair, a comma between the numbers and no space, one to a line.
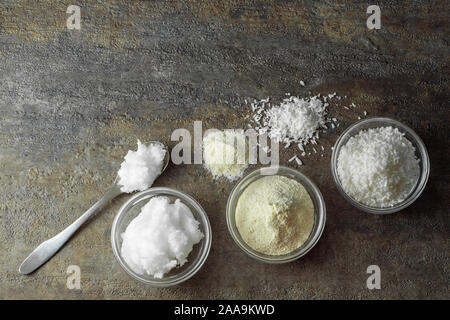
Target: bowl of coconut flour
(380,165)
(275,216)
(161,237)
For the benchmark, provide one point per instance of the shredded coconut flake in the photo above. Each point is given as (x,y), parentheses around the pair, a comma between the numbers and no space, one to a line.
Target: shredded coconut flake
(294,120)
(299,162)
(378,167)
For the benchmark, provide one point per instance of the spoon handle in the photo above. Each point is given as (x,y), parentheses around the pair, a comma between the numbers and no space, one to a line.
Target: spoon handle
(48,248)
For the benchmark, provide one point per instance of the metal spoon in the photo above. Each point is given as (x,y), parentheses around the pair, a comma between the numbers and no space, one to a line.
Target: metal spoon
(48,248)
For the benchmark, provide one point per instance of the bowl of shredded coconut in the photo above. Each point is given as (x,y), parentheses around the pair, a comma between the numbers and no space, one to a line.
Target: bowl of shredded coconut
(380,165)
(161,237)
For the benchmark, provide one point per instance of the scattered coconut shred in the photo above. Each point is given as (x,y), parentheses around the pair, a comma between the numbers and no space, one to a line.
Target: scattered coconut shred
(378,167)
(294,120)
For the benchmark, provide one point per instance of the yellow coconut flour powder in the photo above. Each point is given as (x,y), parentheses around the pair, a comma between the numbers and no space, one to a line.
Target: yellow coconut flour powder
(275,215)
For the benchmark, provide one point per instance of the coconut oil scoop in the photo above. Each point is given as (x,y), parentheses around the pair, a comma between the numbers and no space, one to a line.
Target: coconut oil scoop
(137,172)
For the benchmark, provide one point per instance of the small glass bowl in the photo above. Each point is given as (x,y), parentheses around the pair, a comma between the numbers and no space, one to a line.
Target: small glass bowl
(421,154)
(319,213)
(196,257)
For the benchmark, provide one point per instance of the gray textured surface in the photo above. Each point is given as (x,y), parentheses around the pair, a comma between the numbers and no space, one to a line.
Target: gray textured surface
(73,102)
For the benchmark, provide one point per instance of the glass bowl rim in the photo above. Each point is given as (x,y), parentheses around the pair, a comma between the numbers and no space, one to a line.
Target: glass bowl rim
(417,143)
(319,214)
(184,197)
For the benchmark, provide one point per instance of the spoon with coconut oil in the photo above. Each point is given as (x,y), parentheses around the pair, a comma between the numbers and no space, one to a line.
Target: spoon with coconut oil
(150,153)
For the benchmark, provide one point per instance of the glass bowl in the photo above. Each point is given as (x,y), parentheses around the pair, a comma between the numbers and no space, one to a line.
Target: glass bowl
(196,257)
(421,154)
(319,213)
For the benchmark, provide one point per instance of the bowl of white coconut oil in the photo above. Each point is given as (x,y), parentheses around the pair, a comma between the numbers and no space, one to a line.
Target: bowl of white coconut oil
(161,237)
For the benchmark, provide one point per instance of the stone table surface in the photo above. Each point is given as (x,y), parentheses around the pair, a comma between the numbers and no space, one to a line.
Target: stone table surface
(73,102)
